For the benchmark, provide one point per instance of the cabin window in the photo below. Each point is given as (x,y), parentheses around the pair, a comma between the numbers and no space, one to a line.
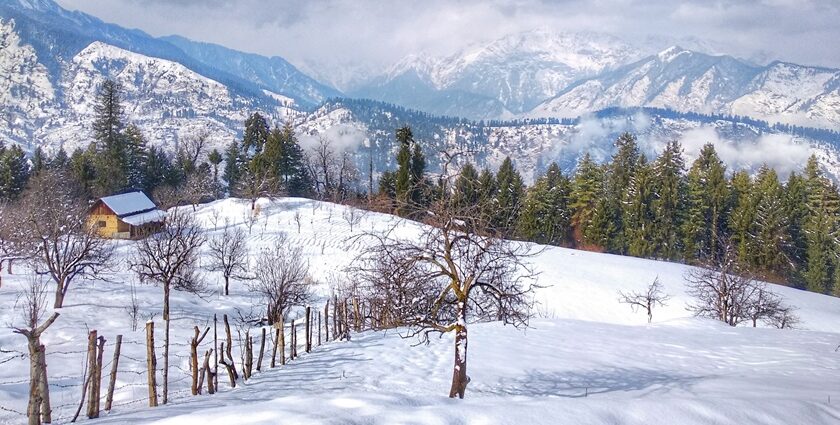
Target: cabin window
(101,223)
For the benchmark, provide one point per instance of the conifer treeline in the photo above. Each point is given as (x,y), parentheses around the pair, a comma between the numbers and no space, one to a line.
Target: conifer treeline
(783,231)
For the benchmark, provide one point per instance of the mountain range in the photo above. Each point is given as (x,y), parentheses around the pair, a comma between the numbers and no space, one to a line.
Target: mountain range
(509,92)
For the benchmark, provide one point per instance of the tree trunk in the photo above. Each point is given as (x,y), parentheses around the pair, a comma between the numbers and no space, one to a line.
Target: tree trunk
(59,293)
(282,343)
(459,372)
(33,410)
(43,384)
(166,361)
(227,285)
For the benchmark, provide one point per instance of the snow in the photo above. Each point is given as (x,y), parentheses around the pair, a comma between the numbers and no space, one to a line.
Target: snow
(586,358)
(128,203)
(154,216)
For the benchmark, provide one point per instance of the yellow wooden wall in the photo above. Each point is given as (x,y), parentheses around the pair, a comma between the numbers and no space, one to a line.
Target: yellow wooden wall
(111,224)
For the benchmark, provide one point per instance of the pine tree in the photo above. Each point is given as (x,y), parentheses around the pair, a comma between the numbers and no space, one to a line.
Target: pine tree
(60,161)
(770,230)
(668,202)
(509,197)
(215,158)
(292,165)
(157,170)
(136,153)
(233,166)
(38,161)
(821,229)
(742,214)
(403,174)
(545,214)
(586,192)
(619,174)
(111,159)
(795,202)
(638,215)
(82,169)
(706,206)
(255,136)
(14,171)
(466,191)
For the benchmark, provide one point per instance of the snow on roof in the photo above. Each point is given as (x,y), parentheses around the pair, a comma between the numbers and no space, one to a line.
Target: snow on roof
(129,203)
(154,216)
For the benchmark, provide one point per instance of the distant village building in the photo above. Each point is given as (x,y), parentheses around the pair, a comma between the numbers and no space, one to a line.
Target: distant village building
(127,216)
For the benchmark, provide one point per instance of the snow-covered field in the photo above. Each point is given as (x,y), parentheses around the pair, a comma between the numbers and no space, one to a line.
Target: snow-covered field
(585,359)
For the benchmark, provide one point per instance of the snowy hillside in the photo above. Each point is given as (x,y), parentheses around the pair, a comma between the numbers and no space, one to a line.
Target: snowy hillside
(534,145)
(684,80)
(586,358)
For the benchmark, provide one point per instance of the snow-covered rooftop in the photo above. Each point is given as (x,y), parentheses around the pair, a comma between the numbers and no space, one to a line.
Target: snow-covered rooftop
(129,203)
(146,217)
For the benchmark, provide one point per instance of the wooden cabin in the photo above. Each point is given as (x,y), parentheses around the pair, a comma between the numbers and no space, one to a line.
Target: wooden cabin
(127,216)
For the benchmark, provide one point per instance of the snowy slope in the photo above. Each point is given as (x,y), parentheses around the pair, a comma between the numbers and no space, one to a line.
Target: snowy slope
(586,359)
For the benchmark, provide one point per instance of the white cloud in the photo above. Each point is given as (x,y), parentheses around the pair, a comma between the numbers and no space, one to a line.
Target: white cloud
(375,32)
(778,151)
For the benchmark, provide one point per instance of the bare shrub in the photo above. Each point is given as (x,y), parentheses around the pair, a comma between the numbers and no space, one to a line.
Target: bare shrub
(229,254)
(281,279)
(652,297)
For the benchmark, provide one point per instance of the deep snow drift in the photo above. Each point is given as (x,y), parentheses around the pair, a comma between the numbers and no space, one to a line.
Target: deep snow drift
(585,359)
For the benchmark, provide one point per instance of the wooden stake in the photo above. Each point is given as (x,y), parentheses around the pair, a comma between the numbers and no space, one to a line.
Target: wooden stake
(215,354)
(194,342)
(308,329)
(109,398)
(327,321)
(92,366)
(282,343)
(151,363)
(262,350)
(276,341)
(211,388)
(319,328)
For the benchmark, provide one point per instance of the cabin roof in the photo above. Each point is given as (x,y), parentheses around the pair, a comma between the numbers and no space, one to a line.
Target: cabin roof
(129,203)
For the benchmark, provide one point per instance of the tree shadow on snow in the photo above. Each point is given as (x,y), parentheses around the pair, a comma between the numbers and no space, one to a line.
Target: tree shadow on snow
(574,384)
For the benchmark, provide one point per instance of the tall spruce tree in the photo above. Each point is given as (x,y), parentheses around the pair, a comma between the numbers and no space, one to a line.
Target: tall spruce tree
(638,212)
(742,214)
(509,197)
(770,229)
(619,174)
(111,159)
(668,204)
(587,190)
(234,162)
(706,206)
(466,190)
(545,214)
(821,229)
(14,171)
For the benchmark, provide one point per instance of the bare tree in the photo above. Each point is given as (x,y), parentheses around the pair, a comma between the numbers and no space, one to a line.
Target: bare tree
(652,297)
(229,254)
(256,184)
(281,279)
(334,173)
(10,248)
(198,187)
(33,306)
(52,227)
(727,292)
(472,275)
(353,216)
(169,258)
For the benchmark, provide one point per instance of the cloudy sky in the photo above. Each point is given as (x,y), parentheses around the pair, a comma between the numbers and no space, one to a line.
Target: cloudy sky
(376,32)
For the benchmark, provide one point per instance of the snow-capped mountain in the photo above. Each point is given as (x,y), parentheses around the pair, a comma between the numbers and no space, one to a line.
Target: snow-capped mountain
(684,80)
(517,72)
(165,99)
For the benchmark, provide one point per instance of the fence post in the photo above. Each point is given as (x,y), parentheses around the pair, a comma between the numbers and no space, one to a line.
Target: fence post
(262,349)
(319,328)
(308,329)
(151,363)
(215,353)
(109,398)
(282,343)
(327,321)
